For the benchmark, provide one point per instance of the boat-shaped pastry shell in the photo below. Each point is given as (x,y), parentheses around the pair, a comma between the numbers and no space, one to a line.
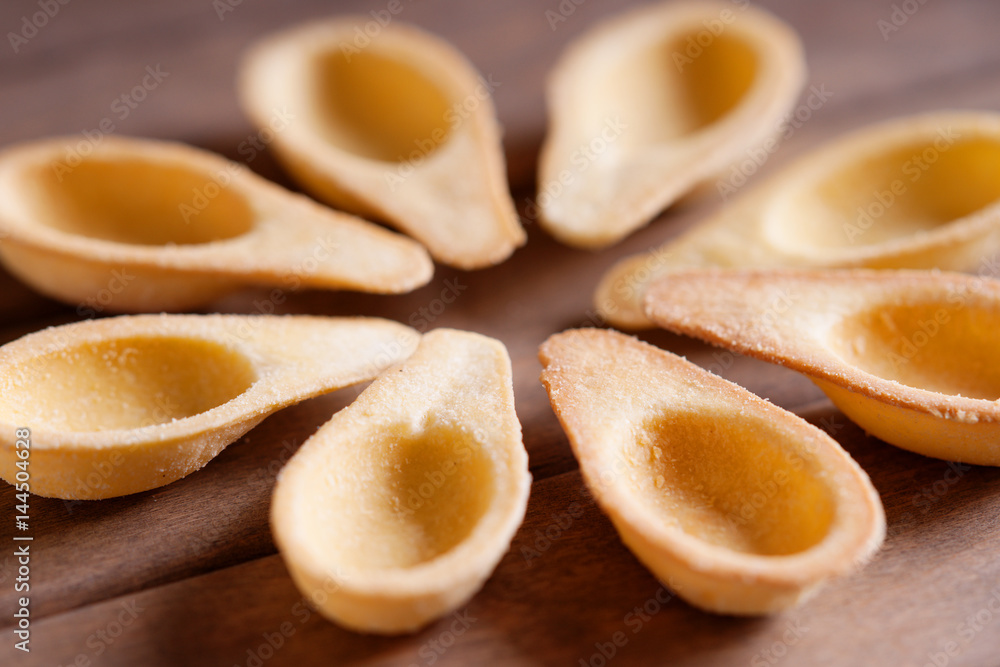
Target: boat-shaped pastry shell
(650,104)
(140,225)
(736,504)
(398,127)
(397,510)
(126,404)
(911,356)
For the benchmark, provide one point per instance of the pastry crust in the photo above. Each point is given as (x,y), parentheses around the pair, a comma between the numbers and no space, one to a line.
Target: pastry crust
(649,104)
(736,504)
(399,508)
(399,127)
(127,404)
(160,226)
(911,356)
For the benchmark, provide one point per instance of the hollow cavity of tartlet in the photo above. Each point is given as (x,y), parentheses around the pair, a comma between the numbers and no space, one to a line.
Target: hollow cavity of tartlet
(377,107)
(661,93)
(124,384)
(737,483)
(405,497)
(949,347)
(918,188)
(136,202)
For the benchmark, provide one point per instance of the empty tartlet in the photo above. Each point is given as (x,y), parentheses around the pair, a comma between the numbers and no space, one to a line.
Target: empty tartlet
(910,356)
(737,505)
(126,404)
(398,509)
(143,225)
(399,127)
(917,192)
(648,105)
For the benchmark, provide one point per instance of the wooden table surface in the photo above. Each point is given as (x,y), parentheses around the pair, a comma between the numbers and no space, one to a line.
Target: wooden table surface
(188,574)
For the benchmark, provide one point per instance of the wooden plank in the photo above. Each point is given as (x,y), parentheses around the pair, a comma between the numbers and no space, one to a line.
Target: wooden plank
(197,556)
(568,586)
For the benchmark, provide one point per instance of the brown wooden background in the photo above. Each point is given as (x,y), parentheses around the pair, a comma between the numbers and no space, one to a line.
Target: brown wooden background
(187,574)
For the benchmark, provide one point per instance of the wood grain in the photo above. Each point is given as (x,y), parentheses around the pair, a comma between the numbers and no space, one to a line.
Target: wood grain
(188,575)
